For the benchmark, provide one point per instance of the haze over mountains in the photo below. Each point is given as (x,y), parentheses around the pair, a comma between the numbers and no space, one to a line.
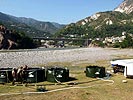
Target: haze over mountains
(50,27)
(30,26)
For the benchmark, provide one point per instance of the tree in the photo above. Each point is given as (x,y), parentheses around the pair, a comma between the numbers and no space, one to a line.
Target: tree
(127,42)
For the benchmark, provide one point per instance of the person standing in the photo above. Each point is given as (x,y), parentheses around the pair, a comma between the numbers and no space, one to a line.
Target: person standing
(14,75)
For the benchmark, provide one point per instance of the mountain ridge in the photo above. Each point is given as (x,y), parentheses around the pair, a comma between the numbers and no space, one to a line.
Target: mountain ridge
(43,26)
(125,7)
(108,18)
(100,26)
(36,28)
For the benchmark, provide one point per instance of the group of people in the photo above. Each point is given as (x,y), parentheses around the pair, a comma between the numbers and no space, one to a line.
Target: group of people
(19,74)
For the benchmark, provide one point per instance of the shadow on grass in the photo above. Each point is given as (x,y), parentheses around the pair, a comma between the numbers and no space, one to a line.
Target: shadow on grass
(72,79)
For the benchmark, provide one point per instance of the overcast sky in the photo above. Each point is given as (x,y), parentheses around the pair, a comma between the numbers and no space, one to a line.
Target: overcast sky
(60,11)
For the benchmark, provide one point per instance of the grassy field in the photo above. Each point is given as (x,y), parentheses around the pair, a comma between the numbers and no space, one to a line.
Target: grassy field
(84,88)
(91,89)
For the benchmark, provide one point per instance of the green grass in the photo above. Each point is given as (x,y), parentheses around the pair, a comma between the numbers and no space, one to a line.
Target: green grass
(117,91)
(99,90)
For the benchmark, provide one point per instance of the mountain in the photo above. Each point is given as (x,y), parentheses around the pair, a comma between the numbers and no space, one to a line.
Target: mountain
(58,25)
(123,14)
(107,19)
(125,7)
(29,26)
(101,19)
(40,25)
(102,24)
(99,25)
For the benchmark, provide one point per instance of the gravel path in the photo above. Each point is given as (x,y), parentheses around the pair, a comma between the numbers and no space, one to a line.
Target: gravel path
(15,59)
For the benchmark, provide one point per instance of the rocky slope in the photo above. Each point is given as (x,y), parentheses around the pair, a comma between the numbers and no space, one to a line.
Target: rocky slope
(10,39)
(101,19)
(123,14)
(125,7)
(6,40)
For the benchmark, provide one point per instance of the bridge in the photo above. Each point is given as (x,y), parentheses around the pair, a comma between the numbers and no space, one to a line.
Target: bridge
(58,39)
(86,41)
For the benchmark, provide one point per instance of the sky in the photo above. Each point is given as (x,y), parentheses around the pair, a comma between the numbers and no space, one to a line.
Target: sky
(60,11)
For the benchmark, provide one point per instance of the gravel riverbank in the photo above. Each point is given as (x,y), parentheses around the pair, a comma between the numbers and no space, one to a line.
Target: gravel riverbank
(15,59)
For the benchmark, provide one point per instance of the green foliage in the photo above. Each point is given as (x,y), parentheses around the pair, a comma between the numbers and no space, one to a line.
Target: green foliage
(127,43)
(73,29)
(116,45)
(77,31)
(23,41)
(98,28)
(98,43)
(20,27)
(26,43)
(114,30)
(85,32)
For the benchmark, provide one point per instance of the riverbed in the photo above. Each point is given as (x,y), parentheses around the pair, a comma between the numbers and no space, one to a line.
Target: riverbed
(16,58)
